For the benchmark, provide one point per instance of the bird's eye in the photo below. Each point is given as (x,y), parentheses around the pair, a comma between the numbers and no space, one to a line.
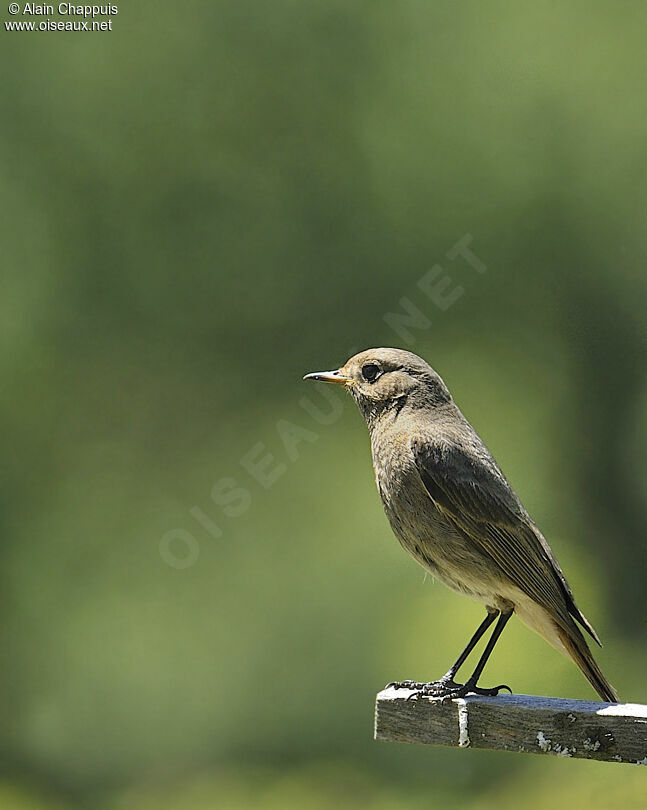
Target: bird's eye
(370,372)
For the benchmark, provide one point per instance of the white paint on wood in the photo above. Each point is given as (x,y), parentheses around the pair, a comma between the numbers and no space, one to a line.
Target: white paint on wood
(542,742)
(463,734)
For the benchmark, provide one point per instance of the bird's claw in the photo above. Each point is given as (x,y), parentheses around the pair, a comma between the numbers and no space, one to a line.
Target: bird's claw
(404,685)
(445,689)
(468,688)
(430,689)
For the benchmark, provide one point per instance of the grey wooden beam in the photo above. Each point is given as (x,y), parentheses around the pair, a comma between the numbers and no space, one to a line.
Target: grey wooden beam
(614,732)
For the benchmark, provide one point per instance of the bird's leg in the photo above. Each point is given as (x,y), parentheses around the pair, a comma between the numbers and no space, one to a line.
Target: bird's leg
(470,684)
(447,681)
(487,621)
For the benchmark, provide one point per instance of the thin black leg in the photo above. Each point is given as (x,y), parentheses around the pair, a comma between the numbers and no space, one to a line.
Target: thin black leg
(470,685)
(487,621)
(446,687)
(503,620)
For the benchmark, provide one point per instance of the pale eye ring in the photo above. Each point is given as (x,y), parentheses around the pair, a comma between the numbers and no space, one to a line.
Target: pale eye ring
(370,372)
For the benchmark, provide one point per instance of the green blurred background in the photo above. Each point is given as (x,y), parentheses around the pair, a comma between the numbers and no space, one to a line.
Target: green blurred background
(199,207)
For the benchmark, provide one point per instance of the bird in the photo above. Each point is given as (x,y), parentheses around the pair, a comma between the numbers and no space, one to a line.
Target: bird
(453,510)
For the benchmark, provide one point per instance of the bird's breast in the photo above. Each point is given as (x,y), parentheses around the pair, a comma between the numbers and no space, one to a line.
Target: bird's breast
(411,513)
(422,528)
(394,466)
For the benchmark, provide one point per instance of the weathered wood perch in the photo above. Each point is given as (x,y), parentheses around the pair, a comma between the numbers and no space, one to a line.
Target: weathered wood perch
(613,732)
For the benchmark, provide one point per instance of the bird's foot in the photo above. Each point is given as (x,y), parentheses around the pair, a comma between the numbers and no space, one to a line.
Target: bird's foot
(445,688)
(438,688)
(470,688)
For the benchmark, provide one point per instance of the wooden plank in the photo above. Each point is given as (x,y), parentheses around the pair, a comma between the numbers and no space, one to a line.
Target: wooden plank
(613,732)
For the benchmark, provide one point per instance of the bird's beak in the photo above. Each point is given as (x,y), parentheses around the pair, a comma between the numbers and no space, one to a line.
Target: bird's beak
(330,377)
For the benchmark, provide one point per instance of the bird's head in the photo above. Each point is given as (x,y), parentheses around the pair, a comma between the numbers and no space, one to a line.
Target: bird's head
(381,380)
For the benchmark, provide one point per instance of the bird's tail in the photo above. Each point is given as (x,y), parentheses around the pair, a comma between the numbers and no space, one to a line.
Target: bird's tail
(578,650)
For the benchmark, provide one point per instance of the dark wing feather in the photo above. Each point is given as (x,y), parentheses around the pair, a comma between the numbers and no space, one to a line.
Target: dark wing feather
(474,495)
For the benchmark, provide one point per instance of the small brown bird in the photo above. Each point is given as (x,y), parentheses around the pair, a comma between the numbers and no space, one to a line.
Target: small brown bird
(453,510)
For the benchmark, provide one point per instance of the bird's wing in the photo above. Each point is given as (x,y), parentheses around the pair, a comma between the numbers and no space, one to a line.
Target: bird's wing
(476,498)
